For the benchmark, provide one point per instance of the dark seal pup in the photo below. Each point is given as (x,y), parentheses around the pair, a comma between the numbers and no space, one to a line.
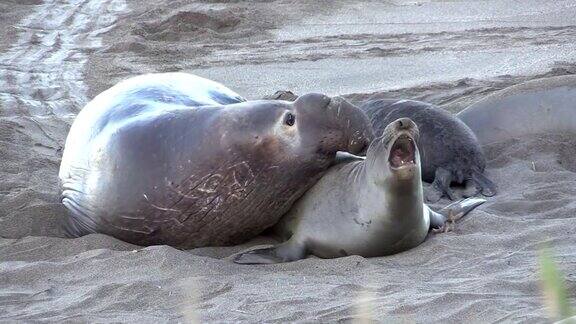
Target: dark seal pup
(180,160)
(449,149)
(369,207)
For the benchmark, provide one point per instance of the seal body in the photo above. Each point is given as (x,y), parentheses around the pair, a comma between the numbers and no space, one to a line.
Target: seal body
(369,207)
(545,105)
(180,160)
(449,150)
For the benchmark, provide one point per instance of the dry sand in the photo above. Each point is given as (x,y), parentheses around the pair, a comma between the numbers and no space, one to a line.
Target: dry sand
(54,56)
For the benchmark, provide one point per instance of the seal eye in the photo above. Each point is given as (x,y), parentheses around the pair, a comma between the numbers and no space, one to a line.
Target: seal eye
(290,119)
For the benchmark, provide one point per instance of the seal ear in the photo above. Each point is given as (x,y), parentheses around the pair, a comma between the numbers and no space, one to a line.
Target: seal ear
(285,252)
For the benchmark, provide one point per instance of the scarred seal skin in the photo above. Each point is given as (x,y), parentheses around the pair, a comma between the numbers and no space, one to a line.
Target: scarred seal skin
(180,160)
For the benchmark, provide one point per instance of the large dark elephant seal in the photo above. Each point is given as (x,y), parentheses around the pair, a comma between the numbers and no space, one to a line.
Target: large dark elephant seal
(450,151)
(545,105)
(148,162)
(370,207)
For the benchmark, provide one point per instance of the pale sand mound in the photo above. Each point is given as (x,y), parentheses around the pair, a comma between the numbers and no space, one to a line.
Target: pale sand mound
(483,271)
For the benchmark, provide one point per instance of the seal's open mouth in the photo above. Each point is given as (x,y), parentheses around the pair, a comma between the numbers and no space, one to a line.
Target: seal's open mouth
(402,152)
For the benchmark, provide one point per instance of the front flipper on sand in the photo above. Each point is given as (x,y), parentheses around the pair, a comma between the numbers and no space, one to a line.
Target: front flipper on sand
(486,186)
(441,186)
(470,189)
(285,252)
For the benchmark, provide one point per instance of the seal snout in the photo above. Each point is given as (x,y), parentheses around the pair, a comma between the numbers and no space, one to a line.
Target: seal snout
(405,124)
(341,125)
(313,100)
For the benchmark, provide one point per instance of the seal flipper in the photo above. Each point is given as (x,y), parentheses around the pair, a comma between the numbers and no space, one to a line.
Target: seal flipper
(453,212)
(487,187)
(470,189)
(285,252)
(440,186)
(437,220)
(462,207)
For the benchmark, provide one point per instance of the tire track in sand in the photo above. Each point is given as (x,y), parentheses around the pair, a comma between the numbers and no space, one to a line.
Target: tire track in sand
(360,46)
(42,73)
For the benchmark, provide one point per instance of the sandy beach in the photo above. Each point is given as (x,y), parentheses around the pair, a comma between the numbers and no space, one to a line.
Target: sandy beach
(55,56)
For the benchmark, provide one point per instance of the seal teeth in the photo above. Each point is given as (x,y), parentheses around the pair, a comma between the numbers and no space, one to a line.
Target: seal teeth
(402,152)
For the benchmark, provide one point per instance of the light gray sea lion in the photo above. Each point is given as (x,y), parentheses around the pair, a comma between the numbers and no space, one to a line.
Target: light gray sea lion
(545,105)
(449,150)
(369,207)
(180,160)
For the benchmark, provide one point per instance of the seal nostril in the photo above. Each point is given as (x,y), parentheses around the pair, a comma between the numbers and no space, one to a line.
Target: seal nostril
(404,123)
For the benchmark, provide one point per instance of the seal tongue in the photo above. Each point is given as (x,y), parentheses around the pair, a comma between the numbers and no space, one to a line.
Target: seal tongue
(402,152)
